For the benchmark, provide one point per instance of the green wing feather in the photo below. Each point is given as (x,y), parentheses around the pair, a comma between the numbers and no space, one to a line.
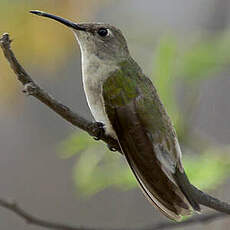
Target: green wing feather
(147,139)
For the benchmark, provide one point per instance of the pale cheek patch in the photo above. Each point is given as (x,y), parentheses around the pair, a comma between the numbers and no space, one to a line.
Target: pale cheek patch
(110,33)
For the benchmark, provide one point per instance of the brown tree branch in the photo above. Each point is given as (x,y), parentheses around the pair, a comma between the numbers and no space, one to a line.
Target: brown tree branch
(12,206)
(202,219)
(30,219)
(31,88)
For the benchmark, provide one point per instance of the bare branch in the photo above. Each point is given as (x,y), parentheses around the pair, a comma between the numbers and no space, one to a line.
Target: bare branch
(202,219)
(12,206)
(30,219)
(202,197)
(31,88)
(209,201)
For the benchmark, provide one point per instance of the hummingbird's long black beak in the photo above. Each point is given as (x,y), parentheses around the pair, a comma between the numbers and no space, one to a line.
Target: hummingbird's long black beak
(59,19)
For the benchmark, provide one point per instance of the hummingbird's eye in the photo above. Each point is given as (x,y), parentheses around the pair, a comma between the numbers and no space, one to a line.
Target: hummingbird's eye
(103,32)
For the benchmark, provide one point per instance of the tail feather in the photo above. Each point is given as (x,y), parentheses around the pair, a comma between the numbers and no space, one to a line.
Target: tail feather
(167,212)
(166,191)
(181,203)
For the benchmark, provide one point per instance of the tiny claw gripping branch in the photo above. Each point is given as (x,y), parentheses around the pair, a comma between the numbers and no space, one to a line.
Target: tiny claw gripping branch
(98,129)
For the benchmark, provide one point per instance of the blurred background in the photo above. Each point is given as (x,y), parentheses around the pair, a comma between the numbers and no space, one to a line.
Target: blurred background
(59,173)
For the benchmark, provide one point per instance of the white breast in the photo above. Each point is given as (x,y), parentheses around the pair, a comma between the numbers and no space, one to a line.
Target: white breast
(95,72)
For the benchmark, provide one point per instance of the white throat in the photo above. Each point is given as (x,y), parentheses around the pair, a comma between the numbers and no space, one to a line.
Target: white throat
(94,72)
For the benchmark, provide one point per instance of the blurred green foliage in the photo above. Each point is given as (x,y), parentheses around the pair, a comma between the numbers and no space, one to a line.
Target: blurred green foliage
(96,168)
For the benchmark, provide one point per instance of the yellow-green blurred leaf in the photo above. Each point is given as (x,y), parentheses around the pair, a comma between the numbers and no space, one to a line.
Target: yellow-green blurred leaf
(76,143)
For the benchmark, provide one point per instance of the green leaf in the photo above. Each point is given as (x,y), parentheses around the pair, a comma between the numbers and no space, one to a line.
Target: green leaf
(163,73)
(165,79)
(204,58)
(76,143)
(209,169)
(98,169)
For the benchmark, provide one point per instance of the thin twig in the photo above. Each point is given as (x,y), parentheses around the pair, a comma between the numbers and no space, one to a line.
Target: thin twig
(30,219)
(12,206)
(209,201)
(31,88)
(202,219)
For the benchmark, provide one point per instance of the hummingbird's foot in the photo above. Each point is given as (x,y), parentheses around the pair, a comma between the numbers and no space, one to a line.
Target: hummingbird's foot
(98,130)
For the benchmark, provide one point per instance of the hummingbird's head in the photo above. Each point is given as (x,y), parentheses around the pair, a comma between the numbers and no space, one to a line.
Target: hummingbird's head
(102,40)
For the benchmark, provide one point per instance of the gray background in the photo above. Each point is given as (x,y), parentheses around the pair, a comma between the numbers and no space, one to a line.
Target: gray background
(31,171)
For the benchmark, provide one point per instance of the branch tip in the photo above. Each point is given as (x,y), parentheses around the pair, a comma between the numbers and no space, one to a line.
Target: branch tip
(5,39)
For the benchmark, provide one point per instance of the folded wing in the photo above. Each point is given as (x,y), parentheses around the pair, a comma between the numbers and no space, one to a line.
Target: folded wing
(146,149)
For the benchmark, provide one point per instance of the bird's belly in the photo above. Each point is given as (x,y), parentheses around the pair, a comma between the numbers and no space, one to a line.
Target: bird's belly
(97,108)
(95,71)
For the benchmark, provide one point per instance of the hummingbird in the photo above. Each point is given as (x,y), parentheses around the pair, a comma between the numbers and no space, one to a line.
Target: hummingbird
(124,100)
